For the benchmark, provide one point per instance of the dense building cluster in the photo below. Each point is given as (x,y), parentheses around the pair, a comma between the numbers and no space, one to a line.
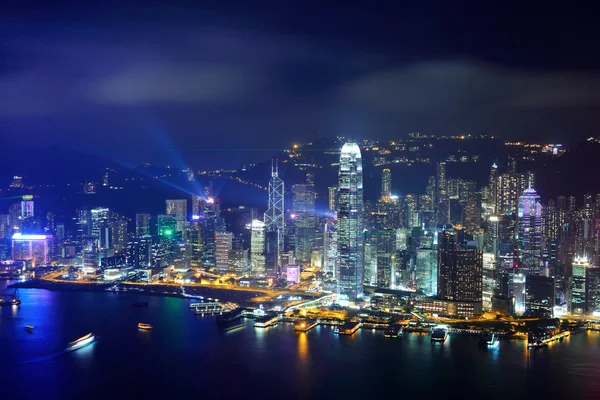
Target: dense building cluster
(460,248)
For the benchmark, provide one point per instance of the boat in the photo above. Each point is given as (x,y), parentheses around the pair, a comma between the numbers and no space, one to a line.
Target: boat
(81,342)
(394,332)
(230,316)
(144,326)
(439,333)
(266,321)
(233,326)
(29,328)
(349,328)
(140,304)
(11,299)
(306,325)
(489,340)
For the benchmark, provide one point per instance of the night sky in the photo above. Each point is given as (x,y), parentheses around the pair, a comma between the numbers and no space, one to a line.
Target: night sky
(160,82)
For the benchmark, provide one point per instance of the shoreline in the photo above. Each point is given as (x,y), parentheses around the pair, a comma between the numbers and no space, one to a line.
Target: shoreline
(192,292)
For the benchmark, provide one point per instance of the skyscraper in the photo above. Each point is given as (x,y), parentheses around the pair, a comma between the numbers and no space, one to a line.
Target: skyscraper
(142,224)
(223,241)
(529,232)
(257,247)
(303,209)
(274,216)
(460,270)
(386,183)
(178,208)
(350,222)
(331,200)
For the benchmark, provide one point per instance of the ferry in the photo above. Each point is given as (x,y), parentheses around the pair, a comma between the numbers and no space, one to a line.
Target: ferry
(349,328)
(233,326)
(489,340)
(81,342)
(306,325)
(394,332)
(144,326)
(230,316)
(266,321)
(11,300)
(439,333)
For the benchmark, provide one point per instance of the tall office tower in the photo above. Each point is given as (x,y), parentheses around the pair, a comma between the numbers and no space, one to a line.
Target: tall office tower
(178,208)
(99,220)
(195,243)
(34,248)
(139,252)
(274,217)
(5,227)
(197,206)
(331,200)
(224,243)
(426,270)
(493,189)
(60,232)
(257,247)
(330,255)
(27,208)
(529,232)
(489,280)
(303,208)
(511,166)
(539,296)
(592,290)
(430,192)
(472,218)
(167,225)
(571,203)
(518,291)
(380,248)
(441,187)
(386,183)
(410,216)
(350,223)
(142,224)
(119,234)
(460,270)
(578,286)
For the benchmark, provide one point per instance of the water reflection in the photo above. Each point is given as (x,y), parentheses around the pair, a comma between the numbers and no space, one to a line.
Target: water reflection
(302,346)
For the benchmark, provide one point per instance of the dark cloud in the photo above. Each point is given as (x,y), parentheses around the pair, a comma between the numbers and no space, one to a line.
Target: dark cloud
(258,76)
(451,86)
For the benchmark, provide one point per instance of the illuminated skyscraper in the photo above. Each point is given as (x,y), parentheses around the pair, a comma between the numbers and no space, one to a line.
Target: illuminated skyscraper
(257,247)
(178,208)
(223,242)
(167,225)
(142,224)
(460,270)
(331,199)
(350,223)
(529,231)
(34,248)
(274,218)
(386,183)
(303,209)
(579,285)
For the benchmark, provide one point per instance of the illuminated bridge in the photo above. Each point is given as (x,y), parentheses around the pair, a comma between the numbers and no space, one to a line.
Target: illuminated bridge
(310,303)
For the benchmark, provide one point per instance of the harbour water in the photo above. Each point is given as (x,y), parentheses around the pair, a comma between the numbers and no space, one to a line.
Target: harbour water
(186,354)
